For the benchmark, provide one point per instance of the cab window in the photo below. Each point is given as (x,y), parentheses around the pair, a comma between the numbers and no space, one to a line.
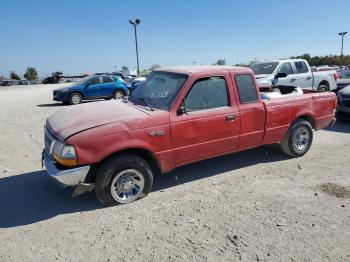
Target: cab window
(207,93)
(246,89)
(301,67)
(286,68)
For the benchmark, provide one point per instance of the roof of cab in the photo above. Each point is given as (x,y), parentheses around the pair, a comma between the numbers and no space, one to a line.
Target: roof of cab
(202,69)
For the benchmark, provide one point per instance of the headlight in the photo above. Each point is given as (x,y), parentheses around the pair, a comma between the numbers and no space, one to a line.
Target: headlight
(64,154)
(64,89)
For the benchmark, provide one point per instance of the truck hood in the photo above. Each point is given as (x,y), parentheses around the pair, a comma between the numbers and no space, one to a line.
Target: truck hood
(261,76)
(74,119)
(345,90)
(264,80)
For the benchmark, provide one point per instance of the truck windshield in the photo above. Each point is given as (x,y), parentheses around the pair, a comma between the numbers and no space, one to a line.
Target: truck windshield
(263,68)
(159,90)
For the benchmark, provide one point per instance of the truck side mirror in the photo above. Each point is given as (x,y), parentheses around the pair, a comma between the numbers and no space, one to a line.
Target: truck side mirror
(181,111)
(281,75)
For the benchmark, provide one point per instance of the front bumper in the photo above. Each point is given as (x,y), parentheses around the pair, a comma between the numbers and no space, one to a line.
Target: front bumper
(67,177)
(59,96)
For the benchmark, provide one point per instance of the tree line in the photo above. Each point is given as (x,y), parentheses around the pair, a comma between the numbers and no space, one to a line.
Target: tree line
(340,60)
(30,74)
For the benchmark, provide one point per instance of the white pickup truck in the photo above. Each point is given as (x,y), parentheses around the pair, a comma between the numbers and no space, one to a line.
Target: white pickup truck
(293,72)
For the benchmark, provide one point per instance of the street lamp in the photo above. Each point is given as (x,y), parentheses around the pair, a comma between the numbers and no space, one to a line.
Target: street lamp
(342,41)
(135,22)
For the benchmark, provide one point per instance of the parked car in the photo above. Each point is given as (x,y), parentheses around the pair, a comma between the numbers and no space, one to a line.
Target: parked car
(343,109)
(298,74)
(180,115)
(95,87)
(7,82)
(136,83)
(344,79)
(54,78)
(23,82)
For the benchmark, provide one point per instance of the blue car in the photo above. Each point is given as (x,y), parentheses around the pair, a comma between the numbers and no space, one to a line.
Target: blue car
(94,87)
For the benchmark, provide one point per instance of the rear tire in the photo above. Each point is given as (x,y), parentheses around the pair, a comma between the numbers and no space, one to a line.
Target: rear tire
(118,94)
(323,87)
(75,99)
(298,139)
(123,179)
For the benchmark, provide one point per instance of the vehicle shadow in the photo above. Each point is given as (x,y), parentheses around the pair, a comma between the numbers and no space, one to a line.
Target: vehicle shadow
(62,104)
(51,105)
(218,165)
(341,126)
(33,197)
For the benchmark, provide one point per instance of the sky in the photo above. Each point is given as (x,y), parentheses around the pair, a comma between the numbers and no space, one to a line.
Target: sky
(77,36)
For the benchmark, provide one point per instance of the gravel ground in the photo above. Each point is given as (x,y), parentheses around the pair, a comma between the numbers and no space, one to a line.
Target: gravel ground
(257,205)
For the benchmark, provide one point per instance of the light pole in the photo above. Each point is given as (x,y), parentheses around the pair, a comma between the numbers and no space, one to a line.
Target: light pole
(342,41)
(135,22)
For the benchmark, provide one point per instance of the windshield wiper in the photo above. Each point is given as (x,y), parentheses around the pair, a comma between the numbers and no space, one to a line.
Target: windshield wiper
(148,103)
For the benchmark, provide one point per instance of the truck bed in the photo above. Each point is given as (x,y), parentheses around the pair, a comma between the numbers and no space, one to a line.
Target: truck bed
(317,107)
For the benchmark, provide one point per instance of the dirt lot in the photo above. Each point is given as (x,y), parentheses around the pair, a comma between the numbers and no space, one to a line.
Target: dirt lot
(255,205)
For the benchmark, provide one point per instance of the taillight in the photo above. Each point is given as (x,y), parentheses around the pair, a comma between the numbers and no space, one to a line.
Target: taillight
(336,76)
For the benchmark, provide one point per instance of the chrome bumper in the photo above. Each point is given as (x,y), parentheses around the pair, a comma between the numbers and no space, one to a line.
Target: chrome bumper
(68,177)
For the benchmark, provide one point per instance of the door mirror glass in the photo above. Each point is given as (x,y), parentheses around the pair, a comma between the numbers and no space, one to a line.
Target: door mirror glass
(281,75)
(181,111)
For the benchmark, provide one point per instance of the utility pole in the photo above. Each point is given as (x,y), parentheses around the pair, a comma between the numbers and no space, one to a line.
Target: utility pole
(342,42)
(135,22)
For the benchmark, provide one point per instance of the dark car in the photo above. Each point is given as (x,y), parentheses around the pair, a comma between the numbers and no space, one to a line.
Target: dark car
(8,82)
(344,79)
(94,87)
(343,110)
(136,83)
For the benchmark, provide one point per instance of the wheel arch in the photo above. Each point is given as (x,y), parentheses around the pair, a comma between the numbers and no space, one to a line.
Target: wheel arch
(308,118)
(76,91)
(147,155)
(118,88)
(324,82)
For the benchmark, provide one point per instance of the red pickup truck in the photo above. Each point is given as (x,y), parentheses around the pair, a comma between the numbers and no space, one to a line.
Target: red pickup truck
(179,116)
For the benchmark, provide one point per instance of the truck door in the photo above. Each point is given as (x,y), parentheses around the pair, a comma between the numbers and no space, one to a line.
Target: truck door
(251,110)
(303,75)
(290,79)
(210,125)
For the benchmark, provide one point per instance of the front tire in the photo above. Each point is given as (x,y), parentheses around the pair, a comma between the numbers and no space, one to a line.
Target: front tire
(75,99)
(123,179)
(298,139)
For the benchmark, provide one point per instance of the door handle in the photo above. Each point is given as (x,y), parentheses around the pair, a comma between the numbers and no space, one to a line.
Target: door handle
(293,79)
(308,78)
(230,117)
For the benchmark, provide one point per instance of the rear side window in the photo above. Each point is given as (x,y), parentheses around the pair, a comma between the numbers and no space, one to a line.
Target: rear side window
(301,67)
(246,89)
(207,93)
(286,68)
(94,80)
(107,79)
